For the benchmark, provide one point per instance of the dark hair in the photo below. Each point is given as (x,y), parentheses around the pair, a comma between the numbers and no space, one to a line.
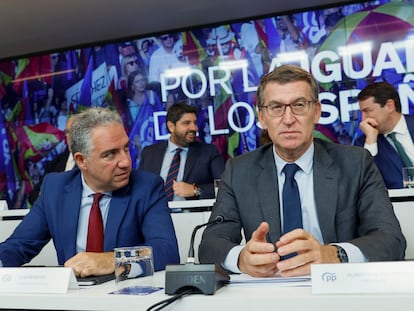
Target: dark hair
(286,74)
(176,111)
(381,91)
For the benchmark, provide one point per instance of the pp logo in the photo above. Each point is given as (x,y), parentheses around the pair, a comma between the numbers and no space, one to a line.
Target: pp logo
(6,278)
(329,277)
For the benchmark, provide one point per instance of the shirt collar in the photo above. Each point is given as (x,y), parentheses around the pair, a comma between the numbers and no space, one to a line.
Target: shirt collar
(400,127)
(172,147)
(305,162)
(87,191)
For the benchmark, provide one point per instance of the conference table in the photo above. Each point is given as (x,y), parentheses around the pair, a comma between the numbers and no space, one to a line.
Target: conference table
(238,297)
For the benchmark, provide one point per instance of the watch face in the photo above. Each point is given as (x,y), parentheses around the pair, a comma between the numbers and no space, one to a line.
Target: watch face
(343,257)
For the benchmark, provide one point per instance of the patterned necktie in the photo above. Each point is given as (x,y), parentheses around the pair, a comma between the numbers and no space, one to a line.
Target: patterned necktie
(95,238)
(172,174)
(403,155)
(292,212)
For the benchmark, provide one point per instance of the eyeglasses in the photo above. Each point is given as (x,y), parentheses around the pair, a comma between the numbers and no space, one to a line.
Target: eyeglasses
(166,37)
(298,108)
(132,62)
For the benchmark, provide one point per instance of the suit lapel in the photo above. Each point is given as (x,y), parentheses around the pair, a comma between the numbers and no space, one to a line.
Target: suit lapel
(385,148)
(71,202)
(409,119)
(159,156)
(267,189)
(325,180)
(117,210)
(191,160)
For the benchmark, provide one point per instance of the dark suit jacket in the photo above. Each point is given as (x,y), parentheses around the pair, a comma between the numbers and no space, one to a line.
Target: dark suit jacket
(352,203)
(58,164)
(138,215)
(204,164)
(388,159)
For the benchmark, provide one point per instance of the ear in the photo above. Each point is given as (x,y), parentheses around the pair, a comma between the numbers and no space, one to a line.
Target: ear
(261,118)
(80,160)
(390,104)
(318,112)
(170,126)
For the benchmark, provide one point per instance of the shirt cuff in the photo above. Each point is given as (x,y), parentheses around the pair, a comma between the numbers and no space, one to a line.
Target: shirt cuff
(232,258)
(353,252)
(372,148)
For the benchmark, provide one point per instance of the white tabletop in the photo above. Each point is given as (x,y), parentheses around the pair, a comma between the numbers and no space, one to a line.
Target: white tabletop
(240,297)
(191,203)
(404,192)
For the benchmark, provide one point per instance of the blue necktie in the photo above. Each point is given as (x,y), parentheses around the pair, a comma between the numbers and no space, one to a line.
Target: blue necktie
(400,149)
(292,212)
(172,174)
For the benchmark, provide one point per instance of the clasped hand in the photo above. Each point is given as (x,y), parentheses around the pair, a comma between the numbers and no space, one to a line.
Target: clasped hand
(86,263)
(260,258)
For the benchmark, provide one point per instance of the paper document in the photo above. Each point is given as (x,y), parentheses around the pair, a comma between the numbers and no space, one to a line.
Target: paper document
(244,279)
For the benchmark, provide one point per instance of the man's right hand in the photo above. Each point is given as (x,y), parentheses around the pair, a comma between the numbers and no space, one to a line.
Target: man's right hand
(258,257)
(369,127)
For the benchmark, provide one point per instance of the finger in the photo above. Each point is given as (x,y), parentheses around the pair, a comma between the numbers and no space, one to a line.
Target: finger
(372,122)
(296,271)
(264,270)
(291,236)
(259,235)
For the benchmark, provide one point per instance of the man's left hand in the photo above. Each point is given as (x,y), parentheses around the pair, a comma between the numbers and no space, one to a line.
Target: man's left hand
(183,189)
(308,250)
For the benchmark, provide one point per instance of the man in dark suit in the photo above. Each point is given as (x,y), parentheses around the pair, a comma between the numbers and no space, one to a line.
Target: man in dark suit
(345,214)
(133,208)
(200,164)
(381,115)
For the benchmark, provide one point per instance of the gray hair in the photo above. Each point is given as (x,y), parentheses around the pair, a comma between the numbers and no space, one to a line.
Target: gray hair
(84,123)
(286,74)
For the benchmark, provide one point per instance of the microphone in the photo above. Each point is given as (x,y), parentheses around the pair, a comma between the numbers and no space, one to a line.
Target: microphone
(201,278)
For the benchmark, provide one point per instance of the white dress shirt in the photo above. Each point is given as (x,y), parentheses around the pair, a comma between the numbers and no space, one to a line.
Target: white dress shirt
(166,163)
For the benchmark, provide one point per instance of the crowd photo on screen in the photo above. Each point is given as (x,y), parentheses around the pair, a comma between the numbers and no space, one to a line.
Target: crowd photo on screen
(215,68)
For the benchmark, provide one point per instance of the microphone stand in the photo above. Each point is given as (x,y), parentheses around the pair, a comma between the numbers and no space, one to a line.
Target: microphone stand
(200,278)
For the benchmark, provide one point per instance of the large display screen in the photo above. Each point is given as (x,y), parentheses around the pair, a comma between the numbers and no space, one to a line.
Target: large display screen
(215,68)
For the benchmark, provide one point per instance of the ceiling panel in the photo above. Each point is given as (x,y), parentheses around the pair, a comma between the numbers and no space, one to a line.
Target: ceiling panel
(34,26)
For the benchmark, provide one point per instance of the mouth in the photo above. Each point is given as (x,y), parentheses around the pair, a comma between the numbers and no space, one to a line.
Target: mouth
(290,133)
(123,175)
(191,135)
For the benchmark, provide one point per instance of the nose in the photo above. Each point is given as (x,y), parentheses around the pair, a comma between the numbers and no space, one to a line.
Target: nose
(194,127)
(124,159)
(288,117)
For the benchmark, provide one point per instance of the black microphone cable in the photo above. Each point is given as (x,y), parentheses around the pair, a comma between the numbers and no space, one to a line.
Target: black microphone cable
(218,220)
(163,303)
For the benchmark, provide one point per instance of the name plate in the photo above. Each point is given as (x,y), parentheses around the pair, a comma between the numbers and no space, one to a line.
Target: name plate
(370,277)
(56,280)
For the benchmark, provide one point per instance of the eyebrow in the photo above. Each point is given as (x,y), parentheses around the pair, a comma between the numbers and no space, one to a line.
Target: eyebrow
(294,101)
(113,149)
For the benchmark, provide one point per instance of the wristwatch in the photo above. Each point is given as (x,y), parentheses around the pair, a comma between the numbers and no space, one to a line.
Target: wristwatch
(342,256)
(197,190)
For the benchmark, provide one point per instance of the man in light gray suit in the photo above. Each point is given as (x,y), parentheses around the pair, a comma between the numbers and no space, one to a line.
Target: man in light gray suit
(346,213)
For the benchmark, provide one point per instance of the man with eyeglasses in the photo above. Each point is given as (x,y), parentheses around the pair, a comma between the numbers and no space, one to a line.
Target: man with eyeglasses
(163,58)
(343,212)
